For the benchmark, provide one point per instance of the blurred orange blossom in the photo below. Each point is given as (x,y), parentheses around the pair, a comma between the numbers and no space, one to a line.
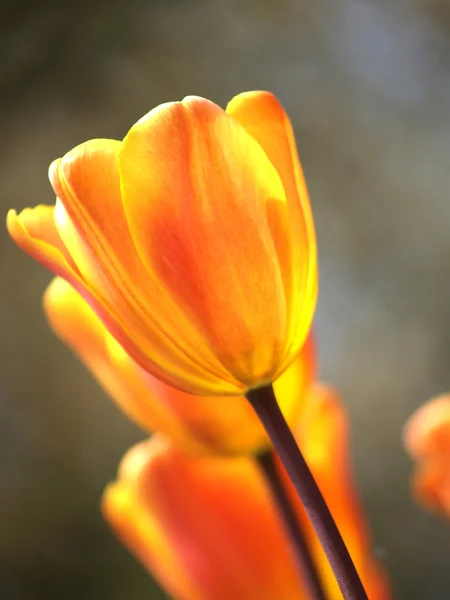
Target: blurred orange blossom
(192,239)
(195,423)
(427,439)
(207,529)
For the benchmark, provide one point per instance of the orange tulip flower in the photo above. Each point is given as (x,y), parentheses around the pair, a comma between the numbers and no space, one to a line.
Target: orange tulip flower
(192,239)
(427,439)
(196,423)
(208,530)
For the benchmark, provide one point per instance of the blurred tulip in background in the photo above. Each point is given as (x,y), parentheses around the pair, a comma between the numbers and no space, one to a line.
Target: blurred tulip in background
(207,527)
(427,439)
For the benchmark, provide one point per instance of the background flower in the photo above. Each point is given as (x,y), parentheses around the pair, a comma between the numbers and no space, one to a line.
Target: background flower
(207,527)
(427,439)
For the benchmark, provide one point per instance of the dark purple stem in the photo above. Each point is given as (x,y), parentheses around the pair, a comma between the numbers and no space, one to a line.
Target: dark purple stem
(266,407)
(305,562)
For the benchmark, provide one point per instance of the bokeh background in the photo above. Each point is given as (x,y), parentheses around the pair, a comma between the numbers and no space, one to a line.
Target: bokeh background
(367,84)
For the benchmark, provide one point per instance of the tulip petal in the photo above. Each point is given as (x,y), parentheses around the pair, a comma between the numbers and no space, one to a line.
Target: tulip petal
(98,236)
(196,188)
(34,231)
(291,388)
(132,388)
(196,422)
(263,117)
(49,250)
(140,532)
(87,181)
(427,439)
(223,527)
(427,432)
(75,323)
(73,320)
(430,485)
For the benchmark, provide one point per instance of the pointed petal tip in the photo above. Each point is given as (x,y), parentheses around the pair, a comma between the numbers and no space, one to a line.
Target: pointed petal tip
(260,99)
(16,227)
(164,110)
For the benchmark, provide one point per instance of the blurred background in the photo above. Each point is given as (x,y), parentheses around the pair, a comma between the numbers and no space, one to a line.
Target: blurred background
(367,85)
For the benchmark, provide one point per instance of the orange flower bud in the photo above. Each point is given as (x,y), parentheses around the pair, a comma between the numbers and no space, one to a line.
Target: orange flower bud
(427,439)
(197,423)
(192,239)
(207,527)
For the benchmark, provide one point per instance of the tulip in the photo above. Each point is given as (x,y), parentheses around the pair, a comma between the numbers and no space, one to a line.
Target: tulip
(192,240)
(207,528)
(427,439)
(196,423)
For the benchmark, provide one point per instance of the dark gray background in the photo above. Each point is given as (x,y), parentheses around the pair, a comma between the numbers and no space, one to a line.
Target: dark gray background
(367,84)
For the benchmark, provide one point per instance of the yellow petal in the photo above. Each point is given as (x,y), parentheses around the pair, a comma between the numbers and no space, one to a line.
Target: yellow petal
(263,117)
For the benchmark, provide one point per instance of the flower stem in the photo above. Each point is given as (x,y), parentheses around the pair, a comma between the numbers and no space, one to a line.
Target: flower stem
(266,407)
(306,564)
